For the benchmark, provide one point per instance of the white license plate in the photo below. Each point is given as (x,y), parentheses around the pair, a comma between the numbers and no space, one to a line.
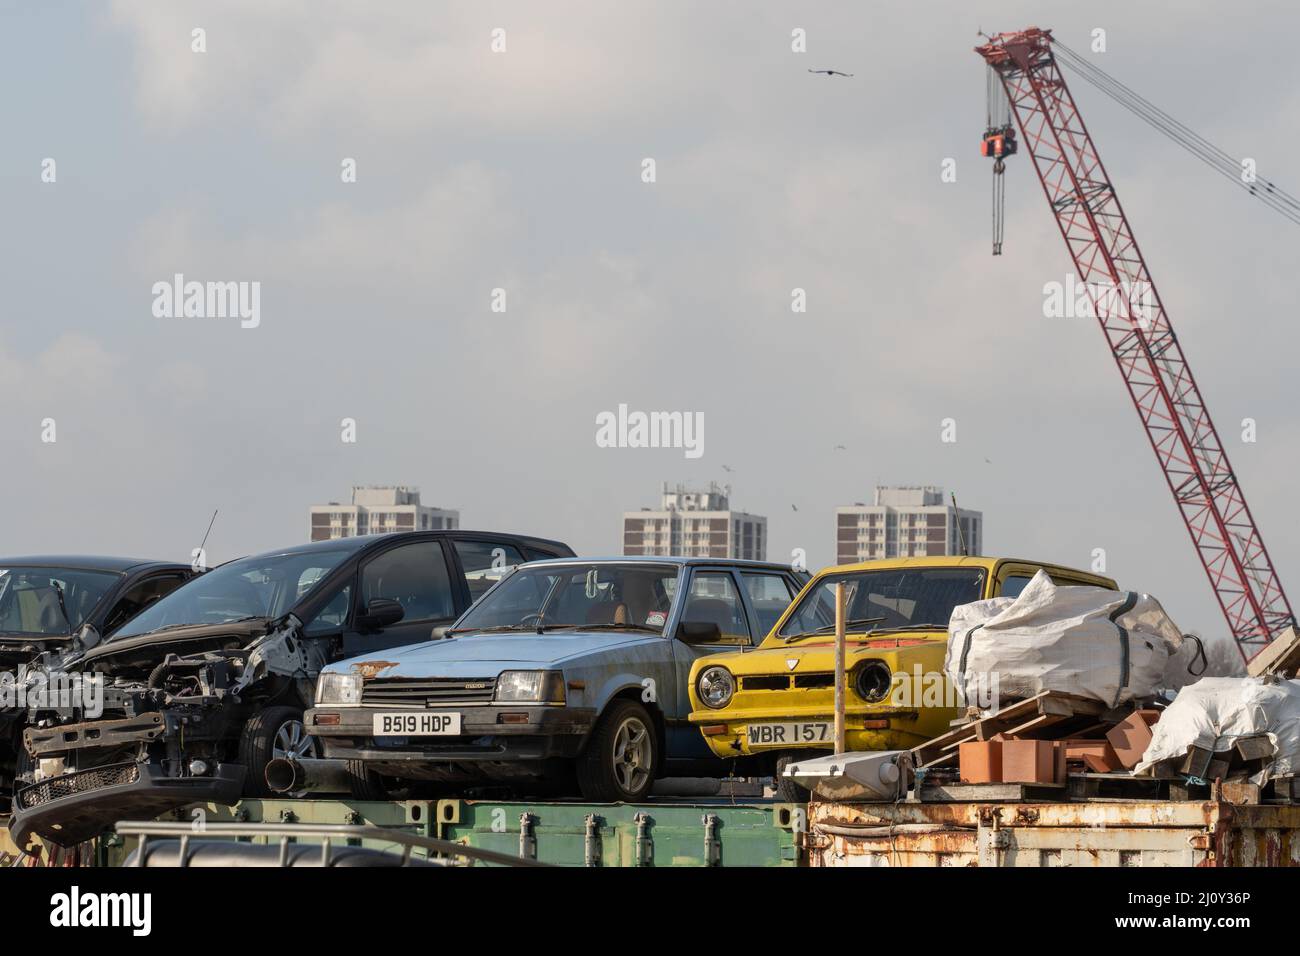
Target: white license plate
(783,735)
(417,724)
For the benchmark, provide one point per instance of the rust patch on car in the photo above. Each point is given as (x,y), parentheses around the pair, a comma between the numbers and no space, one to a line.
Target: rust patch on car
(369,669)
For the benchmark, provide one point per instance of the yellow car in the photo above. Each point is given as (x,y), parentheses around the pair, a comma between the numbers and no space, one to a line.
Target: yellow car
(777,701)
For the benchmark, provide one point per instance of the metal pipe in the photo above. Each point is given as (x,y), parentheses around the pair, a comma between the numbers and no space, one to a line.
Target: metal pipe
(288,775)
(840,746)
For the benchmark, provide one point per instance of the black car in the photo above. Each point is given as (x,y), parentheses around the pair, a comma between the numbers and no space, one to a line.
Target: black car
(205,687)
(50,603)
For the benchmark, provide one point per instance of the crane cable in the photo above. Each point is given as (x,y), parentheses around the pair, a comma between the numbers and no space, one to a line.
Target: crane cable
(1182,135)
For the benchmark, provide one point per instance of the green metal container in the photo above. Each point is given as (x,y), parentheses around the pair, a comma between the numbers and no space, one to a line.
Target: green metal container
(667,833)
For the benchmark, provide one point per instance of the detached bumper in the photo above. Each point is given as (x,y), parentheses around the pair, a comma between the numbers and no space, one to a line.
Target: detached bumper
(505,733)
(69,809)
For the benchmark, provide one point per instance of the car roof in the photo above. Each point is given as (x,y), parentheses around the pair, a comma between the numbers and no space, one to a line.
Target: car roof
(662,559)
(87,562)
(361,542)
(953,561)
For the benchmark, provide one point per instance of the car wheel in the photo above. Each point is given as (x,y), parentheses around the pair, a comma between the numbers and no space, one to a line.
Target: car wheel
(272,733)
(787,789)
(364,784)
(621,759)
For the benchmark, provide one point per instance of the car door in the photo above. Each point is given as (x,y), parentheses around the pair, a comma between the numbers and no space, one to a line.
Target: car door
(711,596)
(418,576)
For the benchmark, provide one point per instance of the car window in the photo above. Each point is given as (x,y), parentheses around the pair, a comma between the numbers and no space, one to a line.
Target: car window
(1014,584)
(713,599)
(334,614)
(485,563)
(769,595)
(139,596)
(49,601)
(885,599)
(413,575)
(617,595)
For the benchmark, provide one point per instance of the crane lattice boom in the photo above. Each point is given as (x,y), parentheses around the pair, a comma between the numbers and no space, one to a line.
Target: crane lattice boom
(1133,318)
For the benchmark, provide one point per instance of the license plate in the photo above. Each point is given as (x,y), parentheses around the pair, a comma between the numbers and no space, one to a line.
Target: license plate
(417,725)
(782,735)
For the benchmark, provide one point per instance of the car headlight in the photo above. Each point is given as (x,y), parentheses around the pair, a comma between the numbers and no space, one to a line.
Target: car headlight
(338,690)
(873,681)
(715,686)
(530,687)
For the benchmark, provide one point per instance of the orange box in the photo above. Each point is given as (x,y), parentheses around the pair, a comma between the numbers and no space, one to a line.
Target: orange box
(1029,761)
(981,761)
(1097,755)
(1131,736)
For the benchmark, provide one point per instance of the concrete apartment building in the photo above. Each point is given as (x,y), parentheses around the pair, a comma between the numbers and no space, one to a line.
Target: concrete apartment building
(696,524)
(904,522)
(378,510)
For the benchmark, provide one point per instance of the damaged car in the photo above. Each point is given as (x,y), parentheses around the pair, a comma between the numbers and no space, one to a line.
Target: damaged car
(196,694)
(53,603)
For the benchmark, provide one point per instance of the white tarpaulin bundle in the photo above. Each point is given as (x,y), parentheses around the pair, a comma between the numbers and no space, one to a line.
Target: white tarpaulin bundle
(1109,645)
(1215,712)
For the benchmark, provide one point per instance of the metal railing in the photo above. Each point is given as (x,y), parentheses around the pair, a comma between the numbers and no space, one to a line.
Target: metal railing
(186,832)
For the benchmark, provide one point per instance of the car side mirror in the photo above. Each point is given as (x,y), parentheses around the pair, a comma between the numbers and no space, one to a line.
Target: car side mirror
(439,632)
(379,614)
(699,632)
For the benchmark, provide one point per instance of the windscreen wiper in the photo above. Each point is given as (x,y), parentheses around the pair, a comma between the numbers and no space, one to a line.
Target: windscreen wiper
(830,627)
(622,627)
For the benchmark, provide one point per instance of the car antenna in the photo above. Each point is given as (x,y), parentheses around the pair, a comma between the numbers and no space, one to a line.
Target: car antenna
(204,542)
(961,534)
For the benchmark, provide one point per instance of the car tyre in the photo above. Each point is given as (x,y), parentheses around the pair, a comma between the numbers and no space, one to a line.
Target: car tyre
(621,759)
(364,784)
(270,733)
(786,789)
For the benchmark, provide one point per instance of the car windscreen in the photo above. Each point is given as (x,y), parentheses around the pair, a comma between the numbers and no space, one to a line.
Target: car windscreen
(631,596)
(886,600)
(48,602)
(261,587)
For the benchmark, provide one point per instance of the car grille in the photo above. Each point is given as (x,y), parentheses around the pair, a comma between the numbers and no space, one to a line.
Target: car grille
(83,781)
(428,692)
(785,681)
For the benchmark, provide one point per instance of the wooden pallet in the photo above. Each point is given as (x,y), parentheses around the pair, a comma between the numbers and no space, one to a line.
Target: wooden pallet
(1049,715)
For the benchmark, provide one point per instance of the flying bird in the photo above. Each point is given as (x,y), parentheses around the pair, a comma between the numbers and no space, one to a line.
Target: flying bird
(839,448)
(727,469)
(794,507)
(831,72)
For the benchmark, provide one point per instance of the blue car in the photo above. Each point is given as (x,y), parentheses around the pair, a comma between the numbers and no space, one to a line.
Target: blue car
(566,670)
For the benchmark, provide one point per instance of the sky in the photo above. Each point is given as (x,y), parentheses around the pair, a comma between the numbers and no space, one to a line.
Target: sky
(523,170)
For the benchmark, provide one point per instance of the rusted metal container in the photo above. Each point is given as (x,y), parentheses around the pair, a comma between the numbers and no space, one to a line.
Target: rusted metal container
(1101,833)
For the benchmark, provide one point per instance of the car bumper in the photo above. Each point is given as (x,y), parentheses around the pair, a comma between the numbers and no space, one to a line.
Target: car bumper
(78,806)
(731,737)
(533,733)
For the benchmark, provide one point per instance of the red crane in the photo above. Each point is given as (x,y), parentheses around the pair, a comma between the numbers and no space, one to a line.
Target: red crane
(1132,316)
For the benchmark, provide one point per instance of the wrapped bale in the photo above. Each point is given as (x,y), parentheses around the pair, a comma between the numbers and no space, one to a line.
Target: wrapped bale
(1112,646)
(1215,713)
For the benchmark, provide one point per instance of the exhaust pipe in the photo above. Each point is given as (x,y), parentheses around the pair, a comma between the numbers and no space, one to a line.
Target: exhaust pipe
(287,775)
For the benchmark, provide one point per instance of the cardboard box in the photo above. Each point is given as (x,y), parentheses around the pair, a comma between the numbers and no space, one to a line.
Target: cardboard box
(1029,761)
(1131,736)
(980,761)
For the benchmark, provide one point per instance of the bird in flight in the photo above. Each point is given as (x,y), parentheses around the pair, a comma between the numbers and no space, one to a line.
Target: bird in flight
(727,469)
(831,72)
(839,448)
